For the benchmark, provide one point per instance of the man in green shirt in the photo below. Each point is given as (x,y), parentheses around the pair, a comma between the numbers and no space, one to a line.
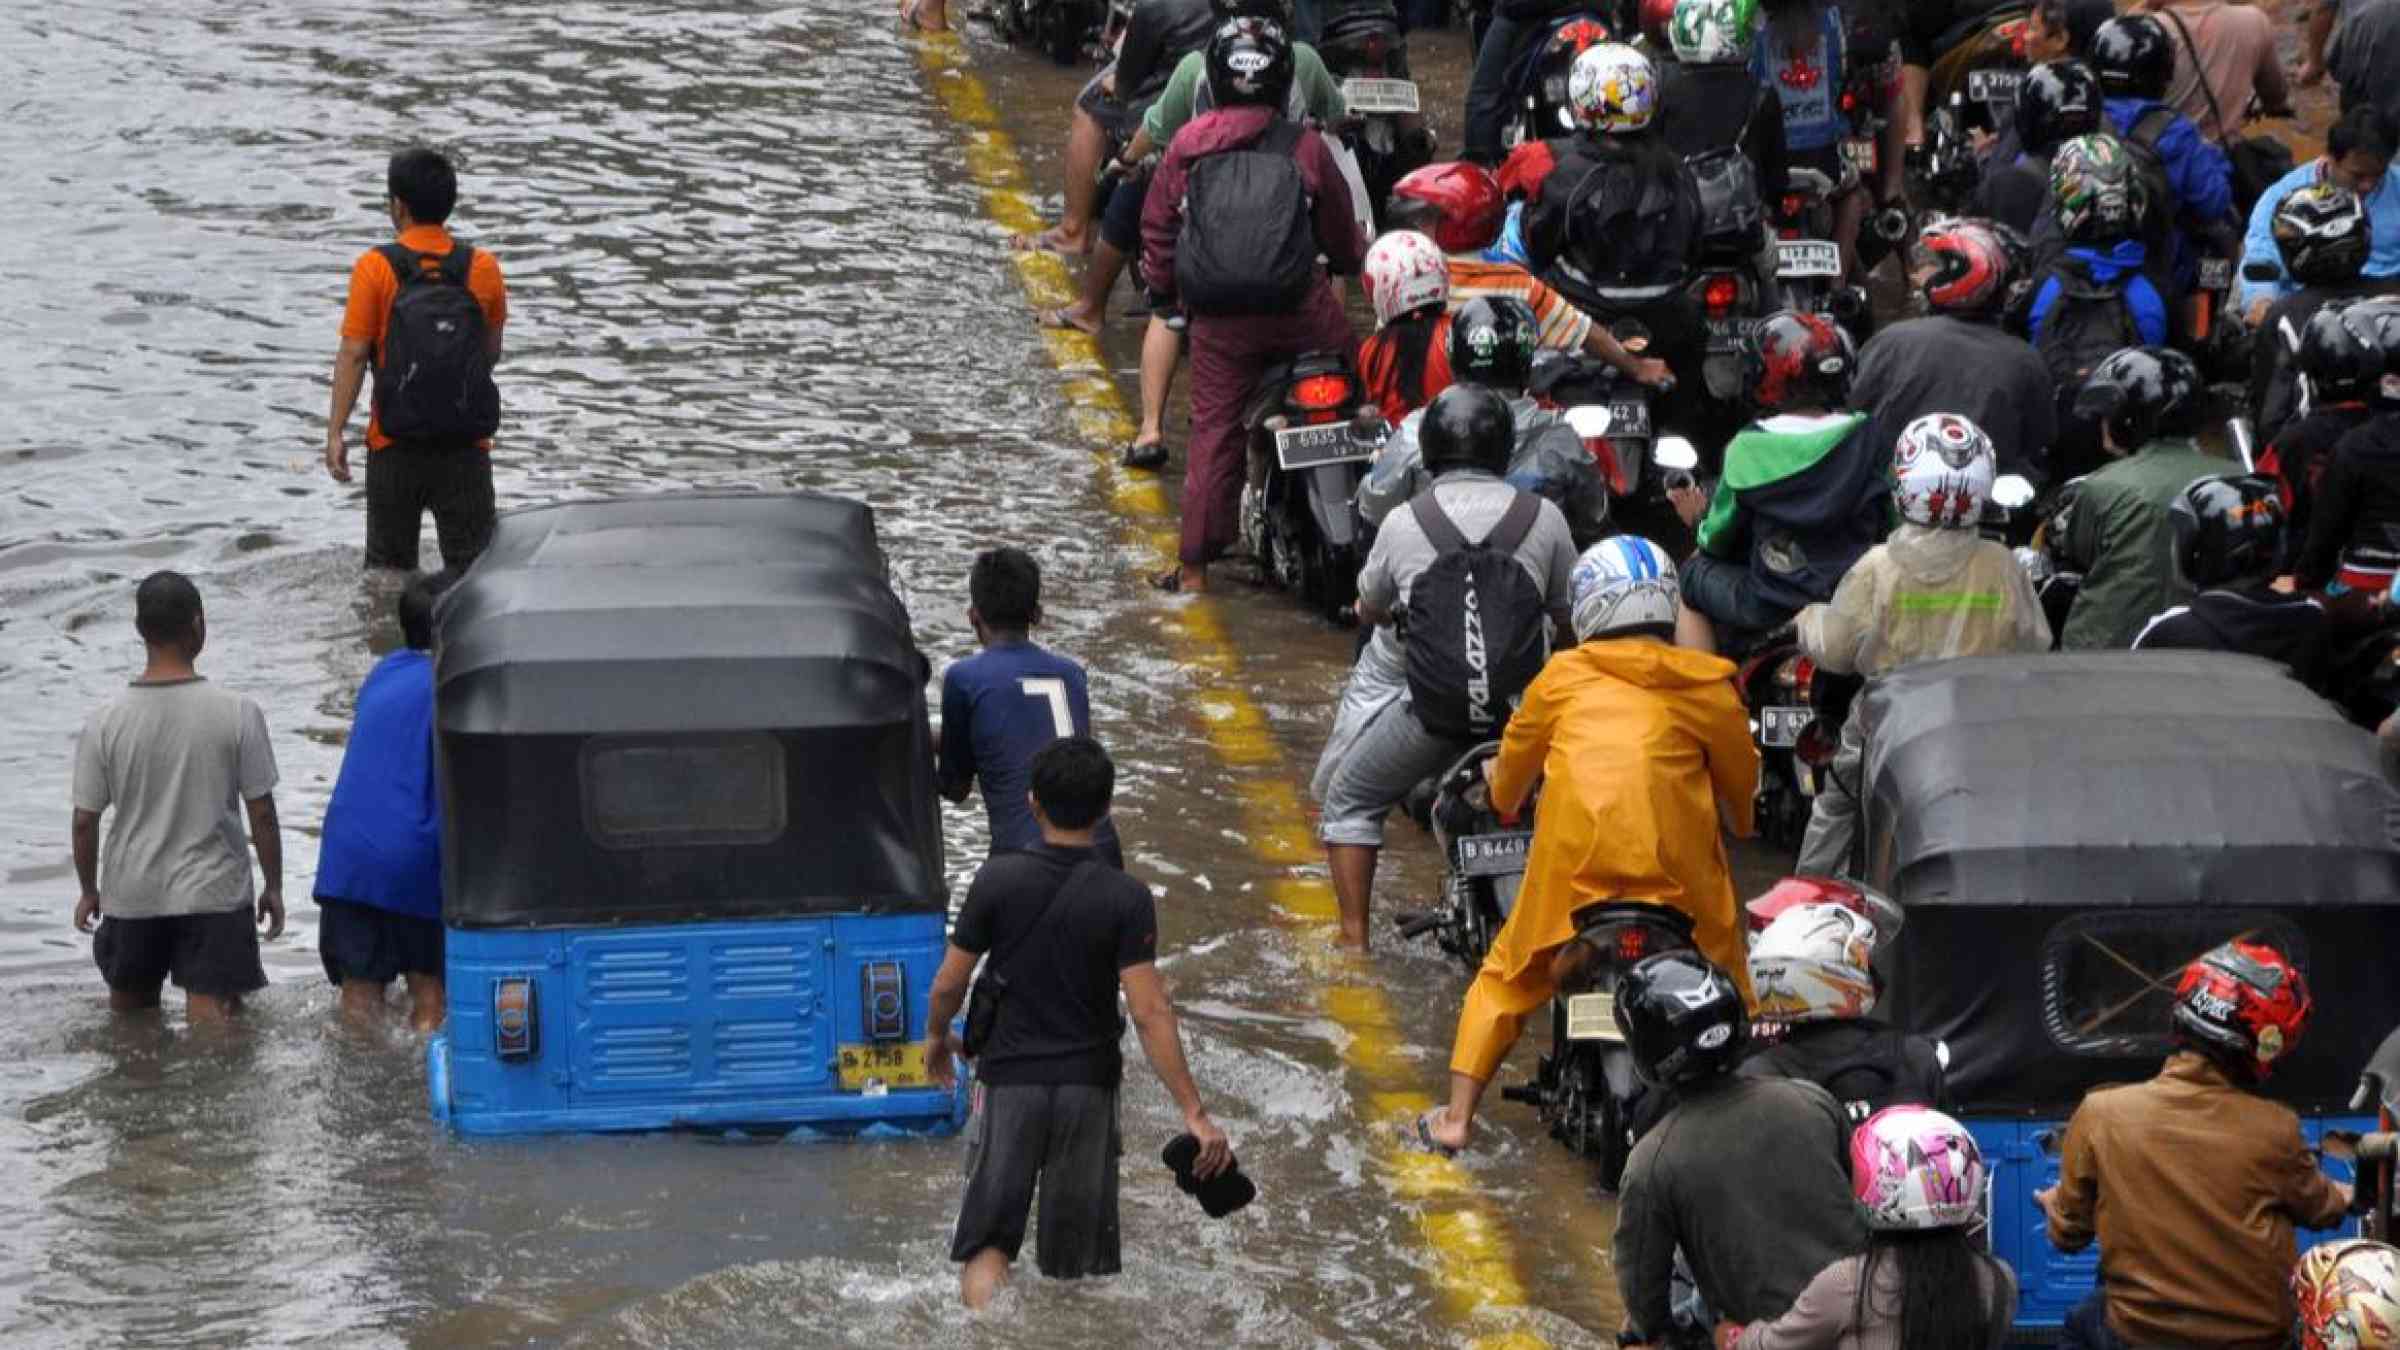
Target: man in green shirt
(2149,402)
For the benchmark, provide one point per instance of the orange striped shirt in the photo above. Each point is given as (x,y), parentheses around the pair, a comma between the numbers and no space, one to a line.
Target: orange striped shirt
(1563,327)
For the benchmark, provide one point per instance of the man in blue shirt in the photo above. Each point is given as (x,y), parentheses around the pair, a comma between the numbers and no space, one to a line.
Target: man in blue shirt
(2135,60)
(1002,705)
(2358,155)
(379,867)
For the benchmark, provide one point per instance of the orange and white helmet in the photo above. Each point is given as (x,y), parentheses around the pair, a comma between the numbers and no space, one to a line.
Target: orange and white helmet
(1406,272)
(2348,1294)
(1815,963)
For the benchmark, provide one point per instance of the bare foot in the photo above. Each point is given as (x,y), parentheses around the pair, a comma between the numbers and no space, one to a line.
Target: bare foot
(1073,316)
(1444,1131)
(1057,239)
(925,16)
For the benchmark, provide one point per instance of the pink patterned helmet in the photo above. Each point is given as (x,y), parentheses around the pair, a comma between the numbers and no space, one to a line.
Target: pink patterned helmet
(1405,272)
(1913,1168)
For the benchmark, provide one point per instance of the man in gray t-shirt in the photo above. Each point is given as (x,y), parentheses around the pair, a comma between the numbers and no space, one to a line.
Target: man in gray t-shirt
(1378,750)
(182,762)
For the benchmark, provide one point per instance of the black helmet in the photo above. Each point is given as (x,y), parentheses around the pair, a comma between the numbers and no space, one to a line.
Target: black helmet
(1273,11)
(2057,100)
(2321,231)
(1250,62)
(1467,427)
(2346,349)
(1682,1018)
(2142,393)
(1796,358)
(2226,529)
(2134,57)
(1491,342)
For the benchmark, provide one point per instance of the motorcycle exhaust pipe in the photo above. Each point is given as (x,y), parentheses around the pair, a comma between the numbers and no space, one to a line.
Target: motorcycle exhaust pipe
(1418,925)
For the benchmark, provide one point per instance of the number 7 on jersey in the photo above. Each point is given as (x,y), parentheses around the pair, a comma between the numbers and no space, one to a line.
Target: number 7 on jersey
(1054,691)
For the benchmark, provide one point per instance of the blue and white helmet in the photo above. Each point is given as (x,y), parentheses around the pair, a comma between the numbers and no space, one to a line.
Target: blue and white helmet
(1620,583)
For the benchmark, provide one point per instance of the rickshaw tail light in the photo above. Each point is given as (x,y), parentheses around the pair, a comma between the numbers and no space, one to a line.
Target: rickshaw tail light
(883,1001)
(516,1019)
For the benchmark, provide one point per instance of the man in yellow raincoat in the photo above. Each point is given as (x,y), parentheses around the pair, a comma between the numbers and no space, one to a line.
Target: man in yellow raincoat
(1643,747)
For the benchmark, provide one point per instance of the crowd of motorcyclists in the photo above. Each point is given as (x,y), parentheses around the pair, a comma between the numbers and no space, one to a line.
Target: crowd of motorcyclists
(2103,274)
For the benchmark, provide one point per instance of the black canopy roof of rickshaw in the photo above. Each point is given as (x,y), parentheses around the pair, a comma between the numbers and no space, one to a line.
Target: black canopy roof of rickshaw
(678,613)
(2122,779)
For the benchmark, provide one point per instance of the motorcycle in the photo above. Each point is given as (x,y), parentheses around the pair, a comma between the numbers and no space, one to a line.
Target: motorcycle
(1808,263)
(1584,1085)
(1779,684)
(1312,433)
(2376,1154)
(1364,48)
(1539,78)
(1614,414)
(1064,29)
(1483,861)
(1726,279)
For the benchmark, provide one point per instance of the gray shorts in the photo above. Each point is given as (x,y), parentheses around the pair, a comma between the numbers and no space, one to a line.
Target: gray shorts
(1061,1138)
(1393,753)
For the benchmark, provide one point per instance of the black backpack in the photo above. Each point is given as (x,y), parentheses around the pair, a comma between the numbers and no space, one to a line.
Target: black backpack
(1249,239)
(1632,224)
(433,385)
(1732,214)
(1865,1065)
(2086,322)
(1475,631)
(2158,232)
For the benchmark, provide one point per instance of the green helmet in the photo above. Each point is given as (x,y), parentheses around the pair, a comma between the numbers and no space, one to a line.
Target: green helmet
(1713,32)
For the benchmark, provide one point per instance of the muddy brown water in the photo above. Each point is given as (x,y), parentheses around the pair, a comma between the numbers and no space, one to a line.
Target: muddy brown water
(742,251)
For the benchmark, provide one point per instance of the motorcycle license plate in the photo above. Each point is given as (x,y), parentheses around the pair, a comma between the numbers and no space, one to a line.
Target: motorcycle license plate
(2216,274)
(1725,335)
(1379,97)
(1592,1017)
(1324,443)
(1807,258)
(1494,855)
(1780,728)
(1862,153)
(1628,419)
(1994,86)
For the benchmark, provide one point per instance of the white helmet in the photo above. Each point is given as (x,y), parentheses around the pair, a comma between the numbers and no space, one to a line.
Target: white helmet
(1406,272)
(1713,32)
(1612,88)
(1620,583)
(1913,1169)
(1815,963)
(2348,1294)
(1942,472)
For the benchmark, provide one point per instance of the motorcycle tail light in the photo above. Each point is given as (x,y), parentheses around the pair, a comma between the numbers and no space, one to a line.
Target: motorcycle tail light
(1796,674)
(1794,204)
(1633,943)
(1720,295)
(1321,394)
(1619,454)
(1849,101)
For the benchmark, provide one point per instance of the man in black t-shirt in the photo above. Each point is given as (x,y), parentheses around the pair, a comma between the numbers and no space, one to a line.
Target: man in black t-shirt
(1065,930)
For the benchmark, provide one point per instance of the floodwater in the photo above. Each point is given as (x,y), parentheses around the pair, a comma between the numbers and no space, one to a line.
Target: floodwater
(742,251)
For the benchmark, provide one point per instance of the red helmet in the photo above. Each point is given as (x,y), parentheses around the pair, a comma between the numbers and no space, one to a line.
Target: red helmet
(2243,1004)
(1657,17)
(1458,204)
(1796,358)
(1792,892)
(1964,266)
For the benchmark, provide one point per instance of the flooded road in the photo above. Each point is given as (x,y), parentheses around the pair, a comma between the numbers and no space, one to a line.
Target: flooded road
(743,249)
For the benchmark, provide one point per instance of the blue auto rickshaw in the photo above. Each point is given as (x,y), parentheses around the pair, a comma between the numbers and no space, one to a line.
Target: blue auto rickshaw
(2066,833)
(691,853)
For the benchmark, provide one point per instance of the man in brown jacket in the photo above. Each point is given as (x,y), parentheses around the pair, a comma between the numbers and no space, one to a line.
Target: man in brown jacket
(2193,1182)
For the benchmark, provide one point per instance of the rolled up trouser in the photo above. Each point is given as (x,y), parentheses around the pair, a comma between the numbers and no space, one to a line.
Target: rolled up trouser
(1393,753)
(1833,817)
(1228,355)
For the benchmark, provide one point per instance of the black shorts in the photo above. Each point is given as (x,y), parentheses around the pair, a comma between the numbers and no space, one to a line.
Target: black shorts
(361,942)
(1121,217)
(1061,1138)
(404,482)
(211,954)
(1118,120)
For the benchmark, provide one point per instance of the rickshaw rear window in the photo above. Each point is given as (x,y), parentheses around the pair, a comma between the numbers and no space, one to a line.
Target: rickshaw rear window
(664,791)
(2108,980)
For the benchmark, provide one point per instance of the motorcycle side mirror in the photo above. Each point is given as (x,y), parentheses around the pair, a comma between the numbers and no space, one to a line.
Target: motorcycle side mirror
(1674,452)
(2012,491)
(1590,421)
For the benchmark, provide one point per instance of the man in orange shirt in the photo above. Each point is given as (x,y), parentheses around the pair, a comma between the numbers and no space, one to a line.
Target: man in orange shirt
(427,312)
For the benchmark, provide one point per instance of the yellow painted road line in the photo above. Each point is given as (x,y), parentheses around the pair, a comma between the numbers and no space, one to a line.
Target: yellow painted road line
(1474,1266)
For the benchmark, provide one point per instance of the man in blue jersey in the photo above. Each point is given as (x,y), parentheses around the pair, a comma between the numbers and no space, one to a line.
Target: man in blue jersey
(379,866)
(1002,705)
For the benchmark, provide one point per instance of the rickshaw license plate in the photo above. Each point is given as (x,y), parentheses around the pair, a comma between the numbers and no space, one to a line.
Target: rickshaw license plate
(1494,855)
(2216,274)
(1379,97)
(1628,419)
(877,1069)
(1325,443)
(1808,258)
(1780,728)
(1592,1017)
(1994,86)
(1862,153)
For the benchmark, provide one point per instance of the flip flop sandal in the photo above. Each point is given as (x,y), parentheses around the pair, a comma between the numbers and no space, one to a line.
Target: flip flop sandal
(1151,457)
(1419,1136)
(1050,317)
(1041,242)
(1170,581)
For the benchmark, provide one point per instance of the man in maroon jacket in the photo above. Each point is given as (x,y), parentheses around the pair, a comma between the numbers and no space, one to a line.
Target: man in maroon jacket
(1250,67)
